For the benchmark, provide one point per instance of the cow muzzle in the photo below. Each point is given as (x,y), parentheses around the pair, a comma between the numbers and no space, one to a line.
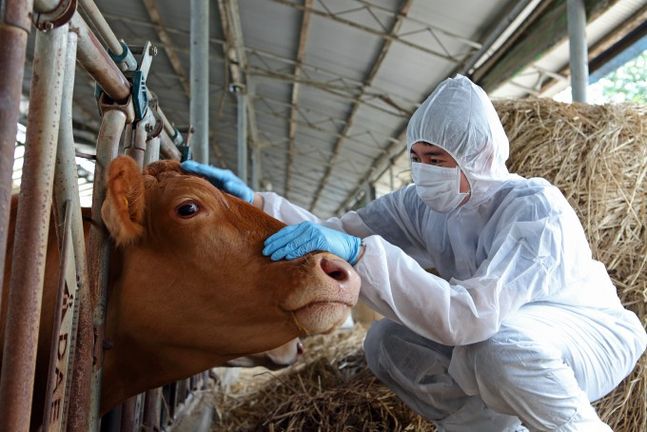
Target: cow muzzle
(326,304)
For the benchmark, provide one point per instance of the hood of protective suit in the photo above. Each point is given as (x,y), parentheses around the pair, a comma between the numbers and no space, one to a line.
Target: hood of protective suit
(459,117)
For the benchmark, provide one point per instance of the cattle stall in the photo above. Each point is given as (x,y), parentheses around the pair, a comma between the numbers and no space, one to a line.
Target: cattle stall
(131,122)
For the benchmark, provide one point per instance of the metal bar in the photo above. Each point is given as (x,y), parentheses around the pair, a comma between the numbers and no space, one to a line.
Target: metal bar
(131,414)
(97,20)
(348,124)
(152,410)
(58,373)
(199,78)
(294,100)
(14,29)
(32,227)
(137,148)
(168,148)
(241,105)
(152,152)
(66,190)
(112,127)
(95,60)
(256,153)
(578,51)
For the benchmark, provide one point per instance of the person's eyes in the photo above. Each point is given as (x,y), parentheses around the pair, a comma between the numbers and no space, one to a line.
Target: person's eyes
(415,158)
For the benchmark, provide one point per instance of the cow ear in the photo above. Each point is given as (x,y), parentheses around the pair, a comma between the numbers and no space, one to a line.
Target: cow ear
(123,208)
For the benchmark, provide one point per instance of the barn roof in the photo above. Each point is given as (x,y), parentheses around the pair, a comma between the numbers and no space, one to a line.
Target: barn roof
(331,83)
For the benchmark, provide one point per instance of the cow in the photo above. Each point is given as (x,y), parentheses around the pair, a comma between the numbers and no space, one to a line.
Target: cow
(188,286)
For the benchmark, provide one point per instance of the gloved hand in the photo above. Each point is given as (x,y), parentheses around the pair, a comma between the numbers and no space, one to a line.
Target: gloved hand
(221,178)
(297,240)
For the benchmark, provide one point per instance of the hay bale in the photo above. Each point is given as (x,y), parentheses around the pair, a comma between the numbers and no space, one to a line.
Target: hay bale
(597,156)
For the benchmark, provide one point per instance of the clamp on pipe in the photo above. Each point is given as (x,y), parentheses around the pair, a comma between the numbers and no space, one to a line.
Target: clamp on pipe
(183,146)
(57,17)
(106,104)
(139,93)
(126,60)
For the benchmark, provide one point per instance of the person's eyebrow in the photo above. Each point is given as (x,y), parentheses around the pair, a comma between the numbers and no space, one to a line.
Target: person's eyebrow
(433,152)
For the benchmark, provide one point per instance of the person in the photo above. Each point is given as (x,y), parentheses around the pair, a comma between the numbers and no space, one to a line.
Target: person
(521,328)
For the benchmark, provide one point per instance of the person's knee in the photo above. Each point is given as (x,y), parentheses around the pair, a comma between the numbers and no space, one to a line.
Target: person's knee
(501,366)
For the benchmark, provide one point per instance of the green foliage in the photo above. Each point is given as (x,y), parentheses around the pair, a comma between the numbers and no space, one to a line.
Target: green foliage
(628,83)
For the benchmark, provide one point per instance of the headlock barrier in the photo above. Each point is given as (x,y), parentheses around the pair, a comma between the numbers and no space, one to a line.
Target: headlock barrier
(131,123)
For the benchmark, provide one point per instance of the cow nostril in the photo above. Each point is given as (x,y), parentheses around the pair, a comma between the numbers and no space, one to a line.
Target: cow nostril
(335,269)
(299,348)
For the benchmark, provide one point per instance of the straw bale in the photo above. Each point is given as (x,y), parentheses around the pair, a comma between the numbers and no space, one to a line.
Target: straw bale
(597,156)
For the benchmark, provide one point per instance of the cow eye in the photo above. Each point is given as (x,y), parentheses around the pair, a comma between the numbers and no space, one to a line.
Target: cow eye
(187,210)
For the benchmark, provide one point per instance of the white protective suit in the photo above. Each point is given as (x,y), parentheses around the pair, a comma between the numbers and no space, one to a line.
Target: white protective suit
(521,322)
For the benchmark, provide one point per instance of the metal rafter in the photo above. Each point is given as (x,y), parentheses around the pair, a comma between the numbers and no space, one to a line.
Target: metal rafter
(386,35)
(336,82)
(292,128)
(307,114)
(386,45)
(335,90)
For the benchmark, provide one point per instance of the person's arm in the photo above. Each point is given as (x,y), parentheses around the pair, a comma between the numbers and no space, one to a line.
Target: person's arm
(524,264)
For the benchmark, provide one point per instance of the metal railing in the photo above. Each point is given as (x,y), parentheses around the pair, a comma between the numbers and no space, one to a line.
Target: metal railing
(50,187)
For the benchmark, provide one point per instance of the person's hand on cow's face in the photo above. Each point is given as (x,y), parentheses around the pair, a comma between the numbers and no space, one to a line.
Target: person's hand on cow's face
(295,241)
(223,179)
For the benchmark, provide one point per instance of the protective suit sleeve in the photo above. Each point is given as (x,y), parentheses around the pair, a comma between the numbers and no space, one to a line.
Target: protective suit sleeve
(291,214)
(520,267)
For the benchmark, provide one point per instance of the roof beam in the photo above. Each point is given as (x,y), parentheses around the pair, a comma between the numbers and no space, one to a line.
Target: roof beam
(292,128)
(390,36)
(545,28)
(377,63)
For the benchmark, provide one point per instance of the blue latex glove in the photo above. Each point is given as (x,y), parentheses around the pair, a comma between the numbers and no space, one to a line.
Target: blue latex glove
(297,240)
(220,178)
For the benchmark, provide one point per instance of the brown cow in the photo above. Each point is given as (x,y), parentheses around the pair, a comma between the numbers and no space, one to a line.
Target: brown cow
(189,287)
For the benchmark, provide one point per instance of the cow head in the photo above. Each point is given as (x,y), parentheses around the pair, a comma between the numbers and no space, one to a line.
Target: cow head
(190,288)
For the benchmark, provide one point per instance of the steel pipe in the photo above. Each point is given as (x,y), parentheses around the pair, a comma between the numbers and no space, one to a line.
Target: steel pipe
(199,79)
(153,409)
(152,152)
(12,60)
(136,149)
(66,189)
(15,24)
(100,24)
(32,228)
(95,60)
(112,126)
(168,148)
(578,51)
(67,208)
(241,100)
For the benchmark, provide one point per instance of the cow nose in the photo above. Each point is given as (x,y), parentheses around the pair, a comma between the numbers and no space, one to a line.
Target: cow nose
(336,269)
(299,348)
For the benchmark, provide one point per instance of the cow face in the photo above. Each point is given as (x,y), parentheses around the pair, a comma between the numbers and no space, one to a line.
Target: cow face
(192,274)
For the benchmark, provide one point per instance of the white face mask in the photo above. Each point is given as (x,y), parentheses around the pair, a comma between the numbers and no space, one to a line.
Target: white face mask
(438,187)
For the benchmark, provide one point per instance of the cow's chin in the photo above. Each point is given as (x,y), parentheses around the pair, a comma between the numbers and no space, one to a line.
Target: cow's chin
(320,317)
